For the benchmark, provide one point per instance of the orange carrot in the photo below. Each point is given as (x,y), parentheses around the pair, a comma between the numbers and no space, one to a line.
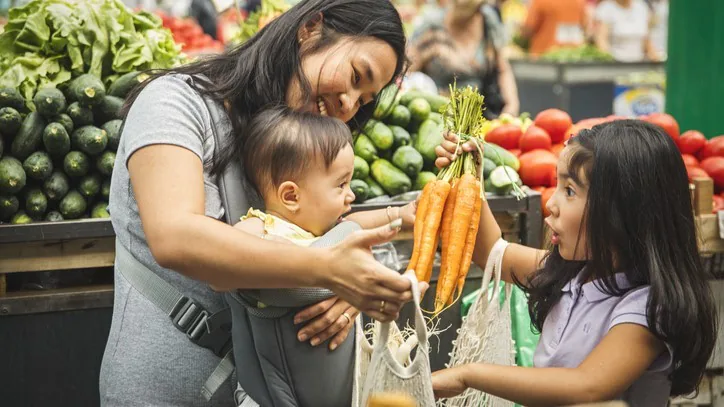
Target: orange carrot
(420,215)
(464,205)
(470,241)
(430,234)
(447,215)
(428,272)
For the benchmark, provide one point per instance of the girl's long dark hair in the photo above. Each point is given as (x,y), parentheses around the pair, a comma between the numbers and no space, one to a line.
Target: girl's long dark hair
(257,73)
(639,221)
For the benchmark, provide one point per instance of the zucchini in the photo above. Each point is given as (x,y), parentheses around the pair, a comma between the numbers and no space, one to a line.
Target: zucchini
(56,139)
(81,116)
(502,180)
(49,102)
(36,203)
(38,166)
(90,140)
(9,205)
(56,186)
(10,97)
(375,188)
(360,189)
(72,206)
(113,131)
(21,218)
(87,89)
(76,164)
(29,136)
(89,186)
(12,176)
(106,161)
(100,210)
(66,121)
(125,83)
(10,121)
(108,109)
(54,216)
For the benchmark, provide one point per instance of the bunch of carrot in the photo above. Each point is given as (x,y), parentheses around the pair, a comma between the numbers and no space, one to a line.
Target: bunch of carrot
(449,207)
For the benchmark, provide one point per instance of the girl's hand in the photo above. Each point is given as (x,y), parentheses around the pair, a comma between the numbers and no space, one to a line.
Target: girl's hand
(449,382)
(355,276)
(328,320)
(407,213)
(449,150)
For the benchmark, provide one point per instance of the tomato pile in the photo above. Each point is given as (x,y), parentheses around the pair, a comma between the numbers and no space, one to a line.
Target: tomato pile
(189,34)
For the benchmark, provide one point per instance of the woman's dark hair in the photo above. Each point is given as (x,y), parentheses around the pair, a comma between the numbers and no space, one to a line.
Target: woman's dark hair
(282,145)
(638,221)
(257,73)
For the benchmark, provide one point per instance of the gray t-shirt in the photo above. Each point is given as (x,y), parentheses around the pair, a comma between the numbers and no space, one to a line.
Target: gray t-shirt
(168,111)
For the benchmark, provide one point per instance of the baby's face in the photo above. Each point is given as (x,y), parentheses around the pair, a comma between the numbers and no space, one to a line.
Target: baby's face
(325,194)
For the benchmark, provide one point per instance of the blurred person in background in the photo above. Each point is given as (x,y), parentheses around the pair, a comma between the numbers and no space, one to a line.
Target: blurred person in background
(660,26)
(464,40)
(555,23)
(623,29)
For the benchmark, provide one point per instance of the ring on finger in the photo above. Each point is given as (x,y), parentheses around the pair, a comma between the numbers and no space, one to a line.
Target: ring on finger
(382,307)
(349,319)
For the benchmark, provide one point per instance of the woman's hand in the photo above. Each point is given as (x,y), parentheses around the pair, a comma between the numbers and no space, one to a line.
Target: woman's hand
(355,276)
(448,151)
(449,382)
(407,214)
(328,320)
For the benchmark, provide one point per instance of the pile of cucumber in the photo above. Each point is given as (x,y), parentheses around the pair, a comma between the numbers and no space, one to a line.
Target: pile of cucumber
(57,151)
(395,151)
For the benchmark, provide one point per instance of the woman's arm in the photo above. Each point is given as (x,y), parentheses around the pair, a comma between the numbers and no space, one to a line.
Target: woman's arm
(508,87)
(380,217)
(621,358)
(600,36)
(168,185)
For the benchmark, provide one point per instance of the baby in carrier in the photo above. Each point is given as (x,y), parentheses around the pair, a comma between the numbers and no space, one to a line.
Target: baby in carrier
(301,166)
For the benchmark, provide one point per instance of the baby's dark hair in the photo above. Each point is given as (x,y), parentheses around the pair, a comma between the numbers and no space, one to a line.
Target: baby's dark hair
(638,221)
(282,144)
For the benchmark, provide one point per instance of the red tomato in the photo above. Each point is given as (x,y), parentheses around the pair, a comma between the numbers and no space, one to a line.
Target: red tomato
(506,136)
(515,151)
(714,166)
(538,189)
(696,172)
(690,160)
(717,204)
(713,148)
(691,142)
(538,168)
(555,122)
(544,197)
(666,122)
(557,148)
(535,138)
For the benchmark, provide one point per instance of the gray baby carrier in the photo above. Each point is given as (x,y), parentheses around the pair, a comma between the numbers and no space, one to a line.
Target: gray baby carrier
(272,366)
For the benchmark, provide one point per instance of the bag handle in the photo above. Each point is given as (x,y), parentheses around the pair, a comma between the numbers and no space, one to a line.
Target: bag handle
(420,328)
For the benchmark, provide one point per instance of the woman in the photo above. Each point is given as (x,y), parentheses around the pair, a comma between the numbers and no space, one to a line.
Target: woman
(465,41)
(555,23)
(326,56)
(623,30)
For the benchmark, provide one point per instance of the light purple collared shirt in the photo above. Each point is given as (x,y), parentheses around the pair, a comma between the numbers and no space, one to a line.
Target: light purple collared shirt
(581,319)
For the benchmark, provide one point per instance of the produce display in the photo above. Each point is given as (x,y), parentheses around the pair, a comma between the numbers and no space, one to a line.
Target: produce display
(65,73)
(263,15)
(584,53)
(189,34)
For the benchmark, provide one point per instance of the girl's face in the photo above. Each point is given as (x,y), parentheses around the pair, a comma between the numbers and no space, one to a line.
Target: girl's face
(343,77)
(567,206)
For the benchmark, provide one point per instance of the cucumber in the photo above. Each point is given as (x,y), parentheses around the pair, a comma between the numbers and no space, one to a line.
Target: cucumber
(87,89)
(56,139)
(108,158)
(375,188)
(28,137)
(49,102)
(502,180)
(66,121)
(54,216)
(400,116)
(392,180)
(106,189)
(38,166)
(108,109)
(402,137)
(500,156)
(437,102)
(113,132)
(12,176)
(423,178)
(10,121)
(56,186)
(364,148)
(10,97)
(36,203)
(408,160)
(381,136)
(100,210)
(76,164)
(72,206)
(125,83)
(21,218)
(89,186)
(429,136)
(9,205)
(488,167)
(361,168)
(361,190)
(81,116)
(90,140)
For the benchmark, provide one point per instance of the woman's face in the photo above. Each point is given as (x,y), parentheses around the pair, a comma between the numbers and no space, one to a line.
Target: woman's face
(343,77)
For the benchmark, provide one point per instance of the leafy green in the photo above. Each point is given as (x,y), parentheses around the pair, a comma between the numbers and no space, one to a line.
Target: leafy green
(46,42)
(266,10)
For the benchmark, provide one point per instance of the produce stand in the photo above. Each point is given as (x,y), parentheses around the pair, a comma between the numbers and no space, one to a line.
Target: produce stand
(583,90)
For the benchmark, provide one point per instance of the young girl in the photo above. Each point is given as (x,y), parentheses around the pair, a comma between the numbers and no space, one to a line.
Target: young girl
(621,301)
